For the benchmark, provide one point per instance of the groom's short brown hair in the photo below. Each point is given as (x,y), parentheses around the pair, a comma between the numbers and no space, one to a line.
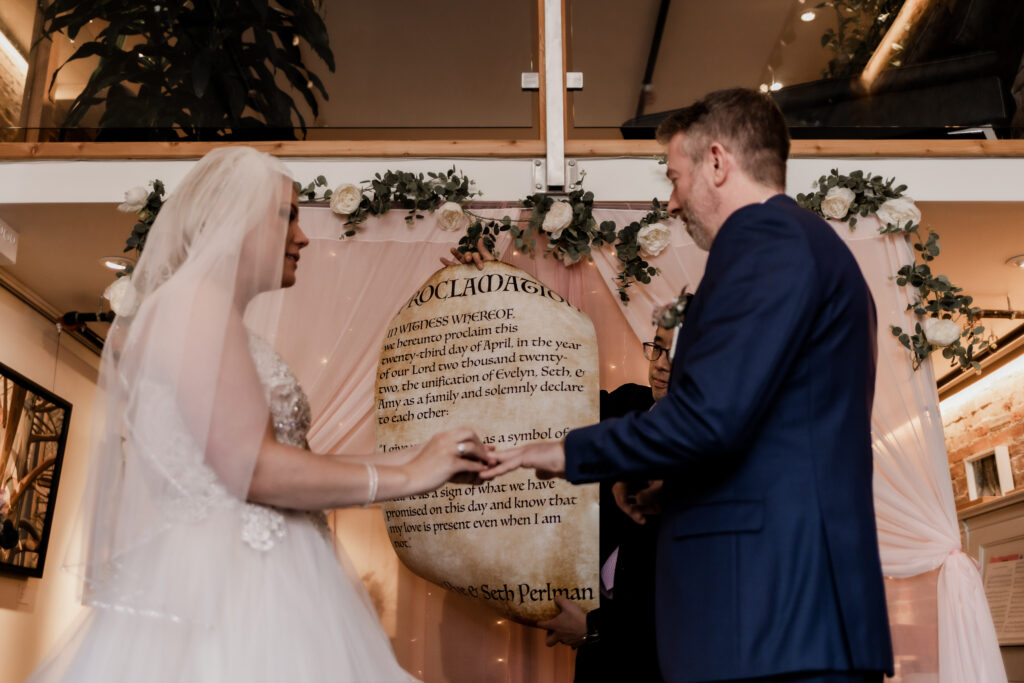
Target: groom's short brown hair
(748,123)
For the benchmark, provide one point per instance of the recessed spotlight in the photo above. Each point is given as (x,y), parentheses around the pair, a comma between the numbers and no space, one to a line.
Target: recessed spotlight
(1017,260)
(117,263)
(808,16)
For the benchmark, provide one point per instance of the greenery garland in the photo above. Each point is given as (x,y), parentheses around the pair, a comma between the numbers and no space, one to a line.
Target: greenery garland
(948,318)
(568,223)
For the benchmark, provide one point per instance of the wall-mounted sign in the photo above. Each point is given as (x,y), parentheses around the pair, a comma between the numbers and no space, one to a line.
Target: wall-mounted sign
(8,245)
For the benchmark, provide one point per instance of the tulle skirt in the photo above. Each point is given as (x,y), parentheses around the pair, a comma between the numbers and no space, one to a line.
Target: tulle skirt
(196,603)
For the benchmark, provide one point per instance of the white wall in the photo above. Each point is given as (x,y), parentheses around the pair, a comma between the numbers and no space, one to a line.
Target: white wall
(35,612)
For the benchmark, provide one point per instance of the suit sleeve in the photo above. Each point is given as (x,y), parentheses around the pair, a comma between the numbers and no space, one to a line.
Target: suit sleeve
(759,296)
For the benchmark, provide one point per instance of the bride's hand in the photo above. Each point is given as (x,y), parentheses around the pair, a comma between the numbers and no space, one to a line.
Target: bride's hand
(454,454)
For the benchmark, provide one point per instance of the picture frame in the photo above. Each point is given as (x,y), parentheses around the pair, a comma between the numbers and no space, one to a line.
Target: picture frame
(989,473)
(33,435)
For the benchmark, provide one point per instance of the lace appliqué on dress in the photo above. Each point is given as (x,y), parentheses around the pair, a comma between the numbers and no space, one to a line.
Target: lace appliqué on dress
(262,526)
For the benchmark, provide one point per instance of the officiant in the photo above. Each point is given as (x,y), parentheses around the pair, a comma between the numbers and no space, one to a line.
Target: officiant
(617,640)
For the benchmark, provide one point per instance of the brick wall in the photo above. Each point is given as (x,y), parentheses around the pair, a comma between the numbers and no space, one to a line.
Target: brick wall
(12,87)
(986,414)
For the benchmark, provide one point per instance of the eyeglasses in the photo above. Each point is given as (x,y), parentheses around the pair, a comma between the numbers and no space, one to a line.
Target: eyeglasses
(653,351)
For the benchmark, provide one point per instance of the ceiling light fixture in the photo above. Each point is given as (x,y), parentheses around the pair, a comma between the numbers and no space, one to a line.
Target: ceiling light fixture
(1017,260)
(118,263)
(808,16)
(775,86)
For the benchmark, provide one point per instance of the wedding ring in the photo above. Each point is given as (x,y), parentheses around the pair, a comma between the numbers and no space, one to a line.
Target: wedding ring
(461,448)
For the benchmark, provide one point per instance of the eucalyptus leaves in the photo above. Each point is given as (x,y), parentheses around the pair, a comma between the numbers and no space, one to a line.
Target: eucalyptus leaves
(948,319)
(568,223)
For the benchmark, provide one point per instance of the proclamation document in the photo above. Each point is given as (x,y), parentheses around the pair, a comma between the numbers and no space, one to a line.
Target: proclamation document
(499,352)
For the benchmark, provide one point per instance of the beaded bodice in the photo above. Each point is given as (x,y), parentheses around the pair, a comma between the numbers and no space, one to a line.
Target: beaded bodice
(193,488)
(289,407)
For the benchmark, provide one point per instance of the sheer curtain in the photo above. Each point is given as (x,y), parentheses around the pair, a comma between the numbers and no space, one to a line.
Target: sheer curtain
(335,318)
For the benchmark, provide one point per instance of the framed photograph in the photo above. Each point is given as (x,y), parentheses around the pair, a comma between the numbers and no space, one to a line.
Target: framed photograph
(33,434)
(989,473)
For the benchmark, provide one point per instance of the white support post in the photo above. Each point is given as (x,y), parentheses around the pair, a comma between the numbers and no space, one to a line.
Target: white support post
(554,91)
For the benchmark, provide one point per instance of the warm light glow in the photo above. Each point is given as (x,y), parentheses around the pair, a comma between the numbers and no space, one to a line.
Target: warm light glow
(808,16)
(776,86)
(955,403)
(909,13)
(7,47)
(323,361)
(116,263)
(763,87)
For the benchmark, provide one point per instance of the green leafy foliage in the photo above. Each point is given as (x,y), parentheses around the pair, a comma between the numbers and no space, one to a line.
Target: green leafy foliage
(419,194)
(934,295)
(196,69)
(415,192)
(870,192)
(146,215)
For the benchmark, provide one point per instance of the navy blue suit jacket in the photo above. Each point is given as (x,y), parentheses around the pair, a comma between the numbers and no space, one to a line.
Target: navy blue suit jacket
(768,555)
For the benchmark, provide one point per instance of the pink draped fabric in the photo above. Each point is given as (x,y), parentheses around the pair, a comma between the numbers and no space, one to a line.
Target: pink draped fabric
(331,330)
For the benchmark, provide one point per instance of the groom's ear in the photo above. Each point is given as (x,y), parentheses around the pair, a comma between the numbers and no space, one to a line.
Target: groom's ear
(720,163)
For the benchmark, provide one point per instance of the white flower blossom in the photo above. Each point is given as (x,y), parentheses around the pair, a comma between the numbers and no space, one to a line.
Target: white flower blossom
(940,331)
(122,296)
(653,238)
(345,199)
(836,203)
(134,200)
(558,218)
(898,212)
(450,216)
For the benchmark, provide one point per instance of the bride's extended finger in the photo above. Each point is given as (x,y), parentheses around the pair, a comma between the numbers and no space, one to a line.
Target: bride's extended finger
(501,468)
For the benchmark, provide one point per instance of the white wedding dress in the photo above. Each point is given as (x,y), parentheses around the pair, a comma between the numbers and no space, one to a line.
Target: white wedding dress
(265,595)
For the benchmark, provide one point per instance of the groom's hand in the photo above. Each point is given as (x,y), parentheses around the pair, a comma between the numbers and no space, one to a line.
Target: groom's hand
(546,457)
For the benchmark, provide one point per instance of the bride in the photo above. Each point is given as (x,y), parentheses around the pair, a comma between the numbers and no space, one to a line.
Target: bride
(206,557)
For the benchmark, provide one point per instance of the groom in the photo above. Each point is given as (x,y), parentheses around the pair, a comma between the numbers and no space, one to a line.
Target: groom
(768,565)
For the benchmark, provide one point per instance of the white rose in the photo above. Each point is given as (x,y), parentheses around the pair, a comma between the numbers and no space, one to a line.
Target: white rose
(558,218)
(837,202)
(653,238)
(451,217)
(122,296)
(134,200)
(941,332)
(345,199)
(899,212)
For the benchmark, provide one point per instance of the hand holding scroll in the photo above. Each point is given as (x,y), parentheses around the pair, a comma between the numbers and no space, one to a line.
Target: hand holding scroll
(478,257)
